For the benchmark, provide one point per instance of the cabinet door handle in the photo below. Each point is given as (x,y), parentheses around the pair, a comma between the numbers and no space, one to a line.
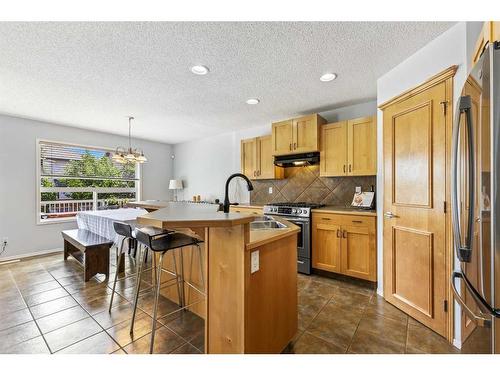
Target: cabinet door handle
(254,173)
(344,234)
(344,168)
(338,233)
(349,168)
(295,146)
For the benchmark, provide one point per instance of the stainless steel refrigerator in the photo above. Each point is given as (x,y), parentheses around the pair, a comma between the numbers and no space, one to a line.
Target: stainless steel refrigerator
(476,205)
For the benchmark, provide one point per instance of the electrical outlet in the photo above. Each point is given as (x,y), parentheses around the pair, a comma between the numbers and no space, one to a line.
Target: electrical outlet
(5,240)
(270,189)
(358,189)
(254,261)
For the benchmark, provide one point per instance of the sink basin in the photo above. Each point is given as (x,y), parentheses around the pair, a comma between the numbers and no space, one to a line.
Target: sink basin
(266,225)
(264,218)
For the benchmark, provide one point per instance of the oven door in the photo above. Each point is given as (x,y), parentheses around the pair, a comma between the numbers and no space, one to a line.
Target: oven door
(303,237)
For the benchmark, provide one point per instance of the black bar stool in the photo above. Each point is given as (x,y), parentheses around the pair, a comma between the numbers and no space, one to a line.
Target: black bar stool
(125,230)
(162,243)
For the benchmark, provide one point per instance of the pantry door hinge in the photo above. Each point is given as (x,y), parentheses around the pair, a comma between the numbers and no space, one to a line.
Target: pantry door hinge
(444,106)
(445,305)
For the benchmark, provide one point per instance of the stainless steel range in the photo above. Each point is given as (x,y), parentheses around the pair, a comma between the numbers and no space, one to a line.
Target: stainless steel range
(300,215)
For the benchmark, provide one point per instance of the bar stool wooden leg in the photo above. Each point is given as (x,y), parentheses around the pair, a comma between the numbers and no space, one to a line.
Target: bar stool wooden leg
(155,308)
(137,287)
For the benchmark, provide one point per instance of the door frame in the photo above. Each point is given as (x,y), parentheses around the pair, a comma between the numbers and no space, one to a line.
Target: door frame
(445,76)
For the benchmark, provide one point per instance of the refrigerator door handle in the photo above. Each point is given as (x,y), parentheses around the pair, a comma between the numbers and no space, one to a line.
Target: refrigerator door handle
(464,249)
(480,320)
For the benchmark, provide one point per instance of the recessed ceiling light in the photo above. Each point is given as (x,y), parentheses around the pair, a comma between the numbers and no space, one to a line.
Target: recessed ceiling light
(200,70)
(327,77)
(253,101)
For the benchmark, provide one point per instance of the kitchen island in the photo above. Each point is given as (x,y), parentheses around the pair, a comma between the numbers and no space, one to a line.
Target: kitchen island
(250,276)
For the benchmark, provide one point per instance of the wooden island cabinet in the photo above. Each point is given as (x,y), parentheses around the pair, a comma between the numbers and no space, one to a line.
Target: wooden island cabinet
(249,276)
(344,242)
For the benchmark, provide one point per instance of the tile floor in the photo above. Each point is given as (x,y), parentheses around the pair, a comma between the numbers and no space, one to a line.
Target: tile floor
(45,307)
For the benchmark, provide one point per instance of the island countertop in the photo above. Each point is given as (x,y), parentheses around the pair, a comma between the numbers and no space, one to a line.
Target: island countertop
(178,215)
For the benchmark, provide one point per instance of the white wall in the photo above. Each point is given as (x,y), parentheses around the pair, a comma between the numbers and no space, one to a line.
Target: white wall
(204,165)
(18,179)
(454,47)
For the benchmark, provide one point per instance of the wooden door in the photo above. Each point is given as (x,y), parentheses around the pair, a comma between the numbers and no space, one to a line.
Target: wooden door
(282,137)
(415,138)
(249,157)
(305,134)
(265,162)
(326,242)
(333,151)
(362,146)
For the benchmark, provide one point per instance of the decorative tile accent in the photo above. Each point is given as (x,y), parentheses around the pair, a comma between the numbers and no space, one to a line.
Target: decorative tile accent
(303,184)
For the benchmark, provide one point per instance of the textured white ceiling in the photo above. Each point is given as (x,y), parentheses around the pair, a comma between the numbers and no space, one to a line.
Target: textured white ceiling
(92,75)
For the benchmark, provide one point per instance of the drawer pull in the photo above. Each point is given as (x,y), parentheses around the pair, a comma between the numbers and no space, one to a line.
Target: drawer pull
(357,221)
(325,218)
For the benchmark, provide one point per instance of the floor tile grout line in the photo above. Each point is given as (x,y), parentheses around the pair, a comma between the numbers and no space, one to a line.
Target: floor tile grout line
(34,320)
(91,316)
(357,326)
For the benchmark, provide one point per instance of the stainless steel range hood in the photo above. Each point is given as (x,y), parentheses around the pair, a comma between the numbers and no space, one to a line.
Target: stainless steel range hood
(297,160)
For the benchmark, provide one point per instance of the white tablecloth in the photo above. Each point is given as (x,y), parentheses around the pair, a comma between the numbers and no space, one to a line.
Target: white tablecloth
(101,222)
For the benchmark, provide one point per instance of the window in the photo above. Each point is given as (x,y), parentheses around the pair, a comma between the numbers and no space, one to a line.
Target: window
(73,178)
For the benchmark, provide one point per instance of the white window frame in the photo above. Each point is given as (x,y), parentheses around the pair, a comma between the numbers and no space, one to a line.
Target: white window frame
(39,190)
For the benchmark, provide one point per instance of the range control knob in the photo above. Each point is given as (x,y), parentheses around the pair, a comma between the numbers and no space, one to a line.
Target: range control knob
(294,211)
(299,211)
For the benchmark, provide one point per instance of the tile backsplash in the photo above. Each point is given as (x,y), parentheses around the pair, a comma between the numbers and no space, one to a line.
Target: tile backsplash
(303,184)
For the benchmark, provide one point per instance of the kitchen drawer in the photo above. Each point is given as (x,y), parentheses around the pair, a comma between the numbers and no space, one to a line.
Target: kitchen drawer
(358,221)
(325,218)
(247,210)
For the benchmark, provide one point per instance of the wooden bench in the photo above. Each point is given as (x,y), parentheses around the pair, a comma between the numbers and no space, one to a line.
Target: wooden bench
(89,249)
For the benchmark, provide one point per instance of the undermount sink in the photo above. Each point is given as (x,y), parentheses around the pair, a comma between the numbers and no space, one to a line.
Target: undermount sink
(267,225)
(263,218)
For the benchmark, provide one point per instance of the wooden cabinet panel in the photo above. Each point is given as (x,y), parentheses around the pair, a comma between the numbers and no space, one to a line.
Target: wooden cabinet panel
(358,259)
(326,246)
(265,160)
(305,134)
(345,244)
(282,137)
(333,149)
(249,157)
(362,146)
(297,135)
(257,161)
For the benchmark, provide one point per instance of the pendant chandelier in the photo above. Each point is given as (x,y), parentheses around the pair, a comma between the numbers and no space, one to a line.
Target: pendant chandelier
(129,155)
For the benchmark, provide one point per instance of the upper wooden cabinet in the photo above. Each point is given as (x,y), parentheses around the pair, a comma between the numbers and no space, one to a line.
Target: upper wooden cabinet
(349,148)
(296,136)
(257,161)
(490,33)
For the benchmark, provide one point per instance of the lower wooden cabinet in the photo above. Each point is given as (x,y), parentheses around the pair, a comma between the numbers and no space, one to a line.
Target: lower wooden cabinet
(345,244)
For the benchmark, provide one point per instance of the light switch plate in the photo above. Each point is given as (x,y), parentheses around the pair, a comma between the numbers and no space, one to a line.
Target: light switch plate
(358,189)
(270,189)
(254,261)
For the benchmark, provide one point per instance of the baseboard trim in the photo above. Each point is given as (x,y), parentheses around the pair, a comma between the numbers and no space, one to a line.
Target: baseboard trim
(30,255)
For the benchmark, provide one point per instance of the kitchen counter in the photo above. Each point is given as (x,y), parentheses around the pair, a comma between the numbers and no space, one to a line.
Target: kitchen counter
(345,211)
(171,215)
(246,310)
